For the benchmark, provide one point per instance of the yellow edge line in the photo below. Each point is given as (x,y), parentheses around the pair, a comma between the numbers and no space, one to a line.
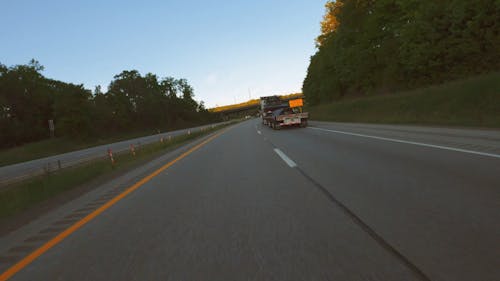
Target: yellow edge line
(61,236)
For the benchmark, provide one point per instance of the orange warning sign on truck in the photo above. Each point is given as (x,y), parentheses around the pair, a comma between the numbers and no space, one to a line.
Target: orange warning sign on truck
(296,103)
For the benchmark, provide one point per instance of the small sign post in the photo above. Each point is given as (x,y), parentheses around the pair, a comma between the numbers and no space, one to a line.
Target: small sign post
(51,128)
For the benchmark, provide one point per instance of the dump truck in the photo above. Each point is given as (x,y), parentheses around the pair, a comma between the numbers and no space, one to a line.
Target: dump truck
(277,113)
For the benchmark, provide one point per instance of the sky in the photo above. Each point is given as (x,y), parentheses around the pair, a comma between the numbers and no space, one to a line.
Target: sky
(227,50)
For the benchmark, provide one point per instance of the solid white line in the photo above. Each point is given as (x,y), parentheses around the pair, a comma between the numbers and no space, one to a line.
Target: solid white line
(258,132)
(285,158)
(410,142)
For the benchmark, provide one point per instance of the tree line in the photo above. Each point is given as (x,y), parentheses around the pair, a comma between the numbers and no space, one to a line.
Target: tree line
(132,102)
(380,46)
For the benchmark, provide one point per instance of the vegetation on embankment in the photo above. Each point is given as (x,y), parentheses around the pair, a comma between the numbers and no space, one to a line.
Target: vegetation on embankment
(469,102)
(23,195)
(384,46)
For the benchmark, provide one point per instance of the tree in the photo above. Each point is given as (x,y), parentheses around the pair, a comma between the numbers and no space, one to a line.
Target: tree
(369,46)
(26,98)
(132,102)
(72,110)
(330,22)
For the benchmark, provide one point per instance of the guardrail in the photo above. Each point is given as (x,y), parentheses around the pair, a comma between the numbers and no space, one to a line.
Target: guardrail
(53,164)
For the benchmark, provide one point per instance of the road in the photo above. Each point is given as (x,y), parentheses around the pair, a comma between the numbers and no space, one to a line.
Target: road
(19,171)
(328,202)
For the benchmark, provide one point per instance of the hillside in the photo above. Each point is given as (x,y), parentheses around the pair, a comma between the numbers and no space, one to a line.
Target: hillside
(468,102)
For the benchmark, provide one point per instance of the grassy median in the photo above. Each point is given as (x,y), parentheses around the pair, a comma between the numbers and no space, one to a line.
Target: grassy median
(26,194)
(473,102)
(54,146)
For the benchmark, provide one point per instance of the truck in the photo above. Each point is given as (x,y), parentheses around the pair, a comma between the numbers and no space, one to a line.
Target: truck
(277,113)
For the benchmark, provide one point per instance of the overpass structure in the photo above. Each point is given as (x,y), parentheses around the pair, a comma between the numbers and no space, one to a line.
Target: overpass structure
(250,108)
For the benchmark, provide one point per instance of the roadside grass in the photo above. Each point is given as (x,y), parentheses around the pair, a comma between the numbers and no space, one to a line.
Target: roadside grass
(472,102)
(39,149)
(54,146)
(23,195)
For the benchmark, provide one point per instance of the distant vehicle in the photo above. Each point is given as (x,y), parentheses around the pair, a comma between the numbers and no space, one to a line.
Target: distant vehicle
(277,113)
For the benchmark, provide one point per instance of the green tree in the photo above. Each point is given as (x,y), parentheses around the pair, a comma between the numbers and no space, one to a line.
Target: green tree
(72,110)
(387,45)
(26,98)
(132,102)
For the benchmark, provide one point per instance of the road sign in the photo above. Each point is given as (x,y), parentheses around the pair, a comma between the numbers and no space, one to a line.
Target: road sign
(296,103)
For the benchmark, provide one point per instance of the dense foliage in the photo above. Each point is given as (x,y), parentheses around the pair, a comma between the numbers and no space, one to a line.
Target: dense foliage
(132,102)
(378,46)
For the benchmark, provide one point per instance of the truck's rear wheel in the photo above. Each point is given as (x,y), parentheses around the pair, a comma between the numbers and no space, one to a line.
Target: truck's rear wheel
(303,123)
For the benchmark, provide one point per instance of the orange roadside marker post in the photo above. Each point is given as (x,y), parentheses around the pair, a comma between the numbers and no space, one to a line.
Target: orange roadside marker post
(110,154)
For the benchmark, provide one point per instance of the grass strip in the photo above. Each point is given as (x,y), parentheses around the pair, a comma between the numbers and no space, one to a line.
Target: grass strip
(473,102)
(23,195)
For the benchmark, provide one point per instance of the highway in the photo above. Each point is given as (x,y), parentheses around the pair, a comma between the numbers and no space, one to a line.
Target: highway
(329,202)
(21,171)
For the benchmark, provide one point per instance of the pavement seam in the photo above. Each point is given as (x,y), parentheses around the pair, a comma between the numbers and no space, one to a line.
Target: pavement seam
(364,226)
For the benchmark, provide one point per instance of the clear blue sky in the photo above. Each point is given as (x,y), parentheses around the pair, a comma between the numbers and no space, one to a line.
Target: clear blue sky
(226,49)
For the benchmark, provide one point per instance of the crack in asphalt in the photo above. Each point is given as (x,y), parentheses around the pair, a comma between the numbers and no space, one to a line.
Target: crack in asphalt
(363,225)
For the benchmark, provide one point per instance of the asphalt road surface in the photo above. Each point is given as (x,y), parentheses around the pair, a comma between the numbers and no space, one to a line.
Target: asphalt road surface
(328,202)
